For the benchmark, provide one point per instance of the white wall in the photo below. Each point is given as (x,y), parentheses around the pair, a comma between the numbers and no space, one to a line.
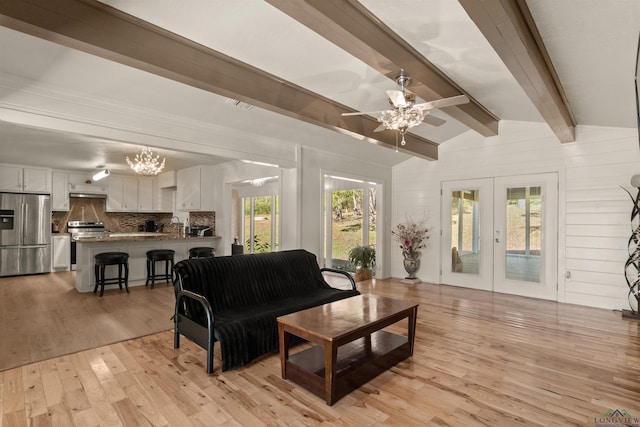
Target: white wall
(594,212)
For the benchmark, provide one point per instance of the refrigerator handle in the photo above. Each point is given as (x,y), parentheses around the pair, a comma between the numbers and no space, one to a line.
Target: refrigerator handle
(23,226)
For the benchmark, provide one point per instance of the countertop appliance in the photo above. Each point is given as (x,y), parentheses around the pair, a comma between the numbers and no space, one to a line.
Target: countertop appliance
(25,234)
(83,229)
(200,230)
(150,225)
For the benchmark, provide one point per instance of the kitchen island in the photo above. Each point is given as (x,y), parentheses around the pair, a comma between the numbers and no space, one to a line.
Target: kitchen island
(136,245)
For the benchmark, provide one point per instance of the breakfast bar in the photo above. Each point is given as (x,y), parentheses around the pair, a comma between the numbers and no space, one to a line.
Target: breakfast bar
(136,245)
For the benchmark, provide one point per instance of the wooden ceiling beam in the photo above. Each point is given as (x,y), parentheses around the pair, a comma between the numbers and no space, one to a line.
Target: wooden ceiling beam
(350,26)
(511,30)
(104,31)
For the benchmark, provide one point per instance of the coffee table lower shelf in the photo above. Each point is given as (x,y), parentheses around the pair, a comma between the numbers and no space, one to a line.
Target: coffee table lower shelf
(357,362)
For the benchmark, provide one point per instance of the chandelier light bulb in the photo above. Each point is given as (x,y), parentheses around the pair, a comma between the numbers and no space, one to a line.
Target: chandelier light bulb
(146,164)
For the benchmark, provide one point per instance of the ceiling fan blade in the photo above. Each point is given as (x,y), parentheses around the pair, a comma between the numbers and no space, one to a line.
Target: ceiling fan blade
(397,98)
(361,113)
(380,128)
(433,121)
(445,102)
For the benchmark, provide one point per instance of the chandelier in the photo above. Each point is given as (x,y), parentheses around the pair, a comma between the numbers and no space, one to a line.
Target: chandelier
(146,164)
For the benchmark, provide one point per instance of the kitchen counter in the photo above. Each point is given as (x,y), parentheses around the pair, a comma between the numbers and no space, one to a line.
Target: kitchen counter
(136,245)
(141,235)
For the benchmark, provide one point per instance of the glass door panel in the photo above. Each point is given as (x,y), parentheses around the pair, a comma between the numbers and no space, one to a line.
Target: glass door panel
(525,235)
(260,226)
(466,253)
(465,232)
(524,215)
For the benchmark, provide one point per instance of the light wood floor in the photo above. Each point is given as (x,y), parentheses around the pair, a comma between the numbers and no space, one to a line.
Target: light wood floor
(481,359)
(43,316)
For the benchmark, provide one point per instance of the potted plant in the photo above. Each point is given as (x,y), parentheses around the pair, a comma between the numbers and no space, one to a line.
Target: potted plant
(364,258)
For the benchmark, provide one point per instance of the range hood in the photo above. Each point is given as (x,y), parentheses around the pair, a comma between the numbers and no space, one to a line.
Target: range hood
(88,195)
(88,190)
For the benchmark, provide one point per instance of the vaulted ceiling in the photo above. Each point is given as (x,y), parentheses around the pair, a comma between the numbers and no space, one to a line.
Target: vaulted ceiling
(82,80)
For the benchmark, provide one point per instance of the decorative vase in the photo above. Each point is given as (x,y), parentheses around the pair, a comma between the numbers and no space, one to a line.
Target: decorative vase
(363,274)
(411,264)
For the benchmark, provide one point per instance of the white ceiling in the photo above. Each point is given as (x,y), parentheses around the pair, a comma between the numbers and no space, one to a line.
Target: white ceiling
(67,109)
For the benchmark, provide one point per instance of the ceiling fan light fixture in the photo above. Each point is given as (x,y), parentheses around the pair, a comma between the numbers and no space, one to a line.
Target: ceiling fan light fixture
(146,163)
(401,119)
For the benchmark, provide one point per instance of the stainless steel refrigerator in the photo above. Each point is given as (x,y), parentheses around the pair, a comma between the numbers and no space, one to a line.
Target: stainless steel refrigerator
(25,234)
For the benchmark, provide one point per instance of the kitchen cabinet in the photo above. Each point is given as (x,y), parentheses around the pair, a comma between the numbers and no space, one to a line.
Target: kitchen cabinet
(61,252)
(194,189)
(60,191)
(27,179)
(167,180)
(130,194)
(145,194)
(162,197)
(122,194)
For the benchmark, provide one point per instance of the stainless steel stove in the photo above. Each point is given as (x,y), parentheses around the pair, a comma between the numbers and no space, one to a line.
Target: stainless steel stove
(85,228)
(79,229)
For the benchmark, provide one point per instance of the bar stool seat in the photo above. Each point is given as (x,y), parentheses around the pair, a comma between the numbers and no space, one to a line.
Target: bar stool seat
(154,256)
(101,261)
(201,252)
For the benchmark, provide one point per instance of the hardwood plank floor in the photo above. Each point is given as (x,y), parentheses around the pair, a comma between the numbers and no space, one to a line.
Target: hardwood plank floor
(43,316)
(481,359)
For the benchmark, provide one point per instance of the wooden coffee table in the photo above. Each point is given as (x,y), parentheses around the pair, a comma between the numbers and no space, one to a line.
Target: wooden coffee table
(351,346)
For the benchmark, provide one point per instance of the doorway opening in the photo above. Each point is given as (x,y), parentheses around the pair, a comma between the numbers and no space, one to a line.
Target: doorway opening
(350,212)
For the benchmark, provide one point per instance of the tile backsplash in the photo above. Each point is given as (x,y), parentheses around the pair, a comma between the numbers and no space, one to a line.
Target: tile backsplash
(90,209)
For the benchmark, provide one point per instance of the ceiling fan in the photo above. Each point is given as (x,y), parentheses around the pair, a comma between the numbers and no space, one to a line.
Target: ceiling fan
(405,113)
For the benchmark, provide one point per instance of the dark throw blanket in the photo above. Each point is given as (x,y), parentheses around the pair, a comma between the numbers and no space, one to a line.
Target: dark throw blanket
(248,292)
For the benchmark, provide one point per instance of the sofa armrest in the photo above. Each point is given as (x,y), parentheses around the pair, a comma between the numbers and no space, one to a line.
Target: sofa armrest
(344,273)
(185,325)
(199,299)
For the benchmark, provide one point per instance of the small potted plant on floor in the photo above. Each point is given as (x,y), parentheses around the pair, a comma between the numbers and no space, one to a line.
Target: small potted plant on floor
(364,259)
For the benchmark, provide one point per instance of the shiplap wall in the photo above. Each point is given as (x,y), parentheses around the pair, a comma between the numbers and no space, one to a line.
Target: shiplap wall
(593,211)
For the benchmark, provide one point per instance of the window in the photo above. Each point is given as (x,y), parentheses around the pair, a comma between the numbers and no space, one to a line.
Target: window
(255,214)
(260,224)
(350,218)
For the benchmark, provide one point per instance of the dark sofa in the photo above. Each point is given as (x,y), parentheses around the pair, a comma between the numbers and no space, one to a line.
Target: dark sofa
(236,299)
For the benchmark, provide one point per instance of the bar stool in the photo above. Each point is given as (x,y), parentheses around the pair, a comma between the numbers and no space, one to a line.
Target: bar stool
(121,259)
(155,255)
(202,252)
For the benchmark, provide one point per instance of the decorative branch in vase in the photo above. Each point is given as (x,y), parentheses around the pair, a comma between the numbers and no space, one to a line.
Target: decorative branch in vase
(412,237)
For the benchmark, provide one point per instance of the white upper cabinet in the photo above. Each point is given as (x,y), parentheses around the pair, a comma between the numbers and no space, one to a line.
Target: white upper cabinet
(60,191)
(130,194)
(27,179)
(122,194)
(195,189)
(145,194)
(188,193)
(37,180)
(162,196)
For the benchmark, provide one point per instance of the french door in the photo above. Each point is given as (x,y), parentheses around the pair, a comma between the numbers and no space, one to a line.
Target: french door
(500,234)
